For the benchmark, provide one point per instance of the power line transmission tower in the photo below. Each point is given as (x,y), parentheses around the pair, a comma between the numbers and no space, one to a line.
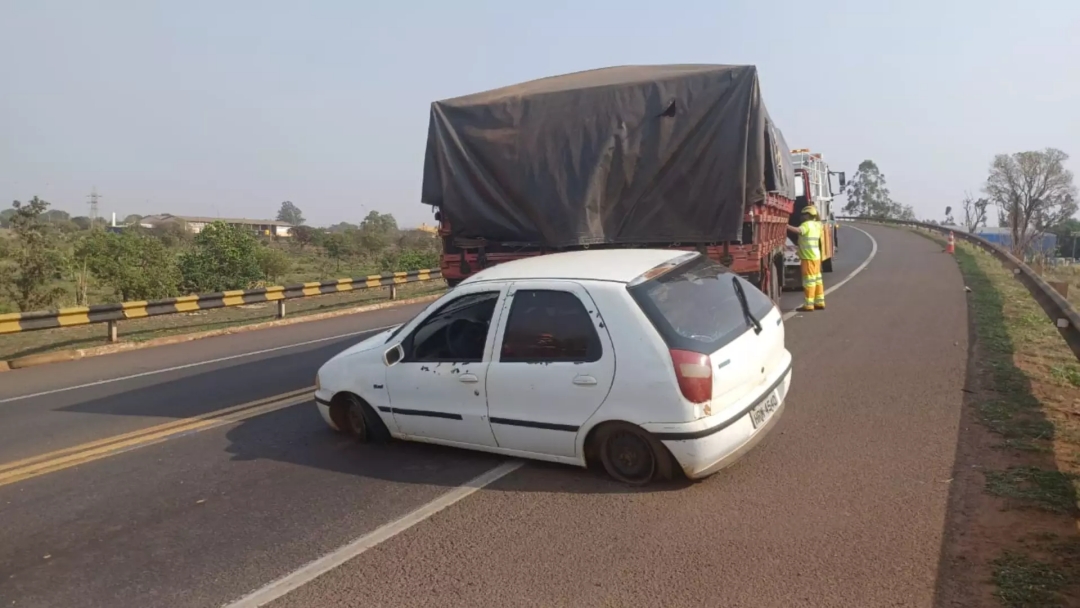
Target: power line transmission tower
(94,198)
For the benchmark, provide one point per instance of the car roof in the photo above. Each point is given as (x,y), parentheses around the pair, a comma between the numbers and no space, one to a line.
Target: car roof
(618,265)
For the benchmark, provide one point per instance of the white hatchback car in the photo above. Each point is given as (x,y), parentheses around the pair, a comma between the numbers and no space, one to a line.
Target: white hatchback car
(636,360)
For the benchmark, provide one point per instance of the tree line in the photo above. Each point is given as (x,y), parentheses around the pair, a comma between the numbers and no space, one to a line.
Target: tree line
(1032,192)
(48,255)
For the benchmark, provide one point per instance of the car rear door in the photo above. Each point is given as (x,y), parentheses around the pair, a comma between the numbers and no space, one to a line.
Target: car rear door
(552,367)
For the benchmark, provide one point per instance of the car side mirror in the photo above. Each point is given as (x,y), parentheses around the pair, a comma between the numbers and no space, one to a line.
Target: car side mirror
(395,354)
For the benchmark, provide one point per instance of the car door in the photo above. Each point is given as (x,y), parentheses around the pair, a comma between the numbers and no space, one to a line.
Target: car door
(552,369)
(437,374)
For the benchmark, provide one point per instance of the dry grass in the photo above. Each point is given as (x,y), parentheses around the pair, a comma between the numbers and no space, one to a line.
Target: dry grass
(1029,397)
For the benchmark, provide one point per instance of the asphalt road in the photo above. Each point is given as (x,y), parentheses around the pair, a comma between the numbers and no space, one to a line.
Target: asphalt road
(842,505)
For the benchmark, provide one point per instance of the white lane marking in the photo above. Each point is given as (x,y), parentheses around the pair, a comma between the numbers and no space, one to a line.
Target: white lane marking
(196,364)
(332,560)
(298,578)
(858,269)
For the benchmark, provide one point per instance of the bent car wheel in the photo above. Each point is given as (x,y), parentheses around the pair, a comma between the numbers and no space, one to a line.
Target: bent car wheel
(362,422)
(628,454)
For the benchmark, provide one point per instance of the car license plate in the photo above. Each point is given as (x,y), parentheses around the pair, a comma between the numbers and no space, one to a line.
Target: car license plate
(761,412)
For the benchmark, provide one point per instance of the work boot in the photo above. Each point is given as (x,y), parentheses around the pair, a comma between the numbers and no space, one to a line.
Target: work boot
(820,306)
(805,309)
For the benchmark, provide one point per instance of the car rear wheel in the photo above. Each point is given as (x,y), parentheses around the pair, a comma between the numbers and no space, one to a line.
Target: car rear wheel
(631,455)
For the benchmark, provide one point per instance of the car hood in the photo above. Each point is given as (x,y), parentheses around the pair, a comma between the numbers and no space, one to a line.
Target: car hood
(371,343)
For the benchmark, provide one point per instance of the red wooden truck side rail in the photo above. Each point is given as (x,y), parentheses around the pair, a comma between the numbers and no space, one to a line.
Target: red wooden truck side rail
(758,257)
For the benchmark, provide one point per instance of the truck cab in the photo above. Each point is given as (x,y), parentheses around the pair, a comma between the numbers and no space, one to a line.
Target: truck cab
(813,186)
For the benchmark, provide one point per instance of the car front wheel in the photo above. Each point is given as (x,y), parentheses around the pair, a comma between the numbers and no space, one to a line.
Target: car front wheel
(354,416)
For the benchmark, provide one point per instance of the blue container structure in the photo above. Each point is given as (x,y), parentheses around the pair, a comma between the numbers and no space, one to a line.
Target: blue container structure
(1044,245)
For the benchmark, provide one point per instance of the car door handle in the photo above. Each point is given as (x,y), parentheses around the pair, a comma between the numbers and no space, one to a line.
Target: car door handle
(585,381)
(470,378)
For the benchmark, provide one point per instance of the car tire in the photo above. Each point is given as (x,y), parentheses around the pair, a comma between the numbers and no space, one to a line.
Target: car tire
(631,455)
(360,420)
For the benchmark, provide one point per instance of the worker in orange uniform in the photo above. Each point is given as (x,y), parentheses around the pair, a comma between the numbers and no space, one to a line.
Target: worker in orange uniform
(810,233)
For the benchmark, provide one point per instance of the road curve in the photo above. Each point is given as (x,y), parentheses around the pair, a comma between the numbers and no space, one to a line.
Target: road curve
(842,505)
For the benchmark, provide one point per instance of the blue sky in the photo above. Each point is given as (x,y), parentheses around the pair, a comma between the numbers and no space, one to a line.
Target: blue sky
(229,108)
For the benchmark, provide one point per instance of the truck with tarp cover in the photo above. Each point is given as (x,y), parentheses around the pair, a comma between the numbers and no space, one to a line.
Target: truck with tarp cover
(671,156)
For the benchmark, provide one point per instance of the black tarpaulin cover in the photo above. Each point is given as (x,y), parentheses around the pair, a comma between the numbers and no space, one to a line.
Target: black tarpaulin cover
(633,154)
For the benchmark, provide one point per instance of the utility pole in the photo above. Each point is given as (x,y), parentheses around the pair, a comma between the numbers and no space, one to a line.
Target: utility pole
(94,198)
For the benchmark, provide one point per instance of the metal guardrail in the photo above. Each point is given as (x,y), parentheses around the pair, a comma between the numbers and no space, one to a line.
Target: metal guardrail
(113,313)
(1060,311)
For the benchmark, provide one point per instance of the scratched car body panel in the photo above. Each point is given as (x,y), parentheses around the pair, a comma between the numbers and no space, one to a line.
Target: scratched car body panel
(546,357)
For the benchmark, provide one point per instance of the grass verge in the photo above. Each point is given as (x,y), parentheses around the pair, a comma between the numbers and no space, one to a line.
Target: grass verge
(1020,523)
(140,330)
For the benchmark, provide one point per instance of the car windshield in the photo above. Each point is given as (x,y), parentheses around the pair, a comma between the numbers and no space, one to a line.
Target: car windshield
(696,307)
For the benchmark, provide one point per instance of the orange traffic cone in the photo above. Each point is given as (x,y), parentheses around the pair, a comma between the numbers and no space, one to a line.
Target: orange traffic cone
(951,247)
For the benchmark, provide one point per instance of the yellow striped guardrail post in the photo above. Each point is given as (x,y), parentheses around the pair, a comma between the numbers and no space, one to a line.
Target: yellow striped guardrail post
(114,313)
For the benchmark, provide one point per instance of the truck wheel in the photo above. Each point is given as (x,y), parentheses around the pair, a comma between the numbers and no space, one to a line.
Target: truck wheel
(776,282)
(826,265)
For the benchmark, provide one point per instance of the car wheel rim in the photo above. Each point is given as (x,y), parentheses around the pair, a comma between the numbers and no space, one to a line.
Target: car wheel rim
(630,457)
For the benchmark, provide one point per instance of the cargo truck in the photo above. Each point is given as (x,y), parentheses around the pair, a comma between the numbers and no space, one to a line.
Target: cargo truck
(676,156)
(813,186)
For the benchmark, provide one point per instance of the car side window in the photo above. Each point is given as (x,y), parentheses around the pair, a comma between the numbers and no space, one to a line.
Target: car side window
(549,326)
(456,332)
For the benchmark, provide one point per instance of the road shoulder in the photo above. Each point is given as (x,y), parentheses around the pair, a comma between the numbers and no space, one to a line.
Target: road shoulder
(1012,536)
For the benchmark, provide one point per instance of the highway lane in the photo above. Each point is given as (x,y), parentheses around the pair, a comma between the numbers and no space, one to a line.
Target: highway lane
(40,414)
(205,518)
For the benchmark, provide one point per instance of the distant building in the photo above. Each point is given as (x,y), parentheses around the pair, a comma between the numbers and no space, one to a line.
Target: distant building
(195,224)
(1002,237)
(428,229)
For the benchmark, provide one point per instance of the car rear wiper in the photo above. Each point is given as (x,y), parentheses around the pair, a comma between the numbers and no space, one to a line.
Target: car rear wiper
(739,293)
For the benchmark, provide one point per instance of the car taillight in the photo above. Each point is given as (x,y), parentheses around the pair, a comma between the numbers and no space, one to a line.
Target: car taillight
(694,372)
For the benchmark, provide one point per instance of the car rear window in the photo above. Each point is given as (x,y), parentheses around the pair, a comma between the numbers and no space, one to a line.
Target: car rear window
(695,306)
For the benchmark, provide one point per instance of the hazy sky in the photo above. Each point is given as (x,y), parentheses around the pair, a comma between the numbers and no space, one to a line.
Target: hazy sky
(229,107)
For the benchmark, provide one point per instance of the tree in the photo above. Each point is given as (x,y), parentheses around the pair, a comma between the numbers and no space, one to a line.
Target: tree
(37,259)
(974,212)
(1033,191)
(5,217)
(376,232)
(1067,233)
(303,235)
(55,215)
(273,263)
(171,233)
(82,222)
(137,266)
(132,220)
(223,257)
(867,195)
(290,213)
(337,246)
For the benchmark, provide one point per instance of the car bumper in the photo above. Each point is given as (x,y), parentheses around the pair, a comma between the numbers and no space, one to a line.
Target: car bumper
(704,452)
(322,401)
